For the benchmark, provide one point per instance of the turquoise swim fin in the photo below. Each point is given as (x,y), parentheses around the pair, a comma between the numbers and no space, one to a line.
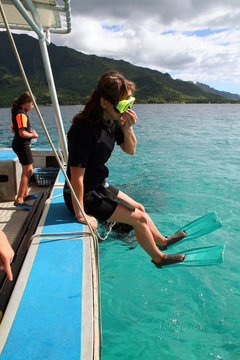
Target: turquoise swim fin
(204,256)
(196,228)
(201,226)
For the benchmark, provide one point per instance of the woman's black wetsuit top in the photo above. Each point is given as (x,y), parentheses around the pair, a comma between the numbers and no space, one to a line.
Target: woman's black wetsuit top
(90,147)
(20,145)
(20,120)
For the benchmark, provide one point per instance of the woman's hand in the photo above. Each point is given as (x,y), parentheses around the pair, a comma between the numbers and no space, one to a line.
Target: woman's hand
(34,133)
(129,118)
(92,221)
(139,207)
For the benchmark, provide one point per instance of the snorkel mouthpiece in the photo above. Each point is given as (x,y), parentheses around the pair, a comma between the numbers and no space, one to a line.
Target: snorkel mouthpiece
(123,105)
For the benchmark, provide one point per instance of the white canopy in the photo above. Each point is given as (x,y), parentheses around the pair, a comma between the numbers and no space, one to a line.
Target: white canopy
(50,14)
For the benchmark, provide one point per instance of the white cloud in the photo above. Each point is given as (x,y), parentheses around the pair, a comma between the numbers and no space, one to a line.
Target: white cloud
(163,35)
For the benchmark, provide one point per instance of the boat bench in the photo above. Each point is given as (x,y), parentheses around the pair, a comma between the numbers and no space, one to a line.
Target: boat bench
(10,175)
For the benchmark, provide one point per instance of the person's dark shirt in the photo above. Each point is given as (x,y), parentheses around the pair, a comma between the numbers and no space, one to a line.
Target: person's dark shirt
(20,120)
(90,147)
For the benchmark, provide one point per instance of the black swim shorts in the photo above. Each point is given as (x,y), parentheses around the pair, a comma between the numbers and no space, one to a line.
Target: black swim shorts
(23,152)
(100,203)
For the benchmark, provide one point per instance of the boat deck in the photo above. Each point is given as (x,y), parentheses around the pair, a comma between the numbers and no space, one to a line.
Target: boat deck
(51,312)
(11,218)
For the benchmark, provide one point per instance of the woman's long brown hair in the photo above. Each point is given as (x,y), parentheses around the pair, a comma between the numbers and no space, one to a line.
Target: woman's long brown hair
(111,84)
(22,99)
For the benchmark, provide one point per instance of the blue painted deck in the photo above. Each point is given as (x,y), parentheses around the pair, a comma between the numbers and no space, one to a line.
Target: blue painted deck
(61,178)
(6,155)
(48,321)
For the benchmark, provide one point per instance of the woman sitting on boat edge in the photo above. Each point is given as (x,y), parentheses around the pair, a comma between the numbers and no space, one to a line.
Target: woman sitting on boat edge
(105,120)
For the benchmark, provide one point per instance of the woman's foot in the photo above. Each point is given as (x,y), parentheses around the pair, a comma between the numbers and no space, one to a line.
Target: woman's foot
(22,205)
(30,197)
(170,240)
(169,259)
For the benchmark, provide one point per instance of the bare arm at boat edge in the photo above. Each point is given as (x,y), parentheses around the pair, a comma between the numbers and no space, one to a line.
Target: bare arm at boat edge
(6,255)
(128,119)
(77,176)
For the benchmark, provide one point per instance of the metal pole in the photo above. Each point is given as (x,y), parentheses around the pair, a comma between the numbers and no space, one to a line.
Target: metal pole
(54,98)
(49,75)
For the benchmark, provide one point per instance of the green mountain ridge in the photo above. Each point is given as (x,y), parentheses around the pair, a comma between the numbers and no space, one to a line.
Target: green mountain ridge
(211,90)
(76,75)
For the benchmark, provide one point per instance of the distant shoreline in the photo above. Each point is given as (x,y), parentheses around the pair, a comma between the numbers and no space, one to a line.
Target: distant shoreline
(151,103)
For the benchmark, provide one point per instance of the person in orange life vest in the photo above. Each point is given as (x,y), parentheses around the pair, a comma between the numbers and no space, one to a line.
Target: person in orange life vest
(21,145)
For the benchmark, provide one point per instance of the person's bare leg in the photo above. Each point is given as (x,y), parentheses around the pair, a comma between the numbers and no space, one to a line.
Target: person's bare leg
(139,221)
(27,171)
(158,237)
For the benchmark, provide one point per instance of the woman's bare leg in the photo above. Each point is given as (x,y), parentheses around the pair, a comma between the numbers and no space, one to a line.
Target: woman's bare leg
(158,237)
(139,221)
(27,171)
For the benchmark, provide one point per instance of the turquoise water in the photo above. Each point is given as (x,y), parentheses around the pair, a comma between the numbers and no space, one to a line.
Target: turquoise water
(187,164)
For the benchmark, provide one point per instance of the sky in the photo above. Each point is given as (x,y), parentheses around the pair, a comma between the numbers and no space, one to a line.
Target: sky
(192,40)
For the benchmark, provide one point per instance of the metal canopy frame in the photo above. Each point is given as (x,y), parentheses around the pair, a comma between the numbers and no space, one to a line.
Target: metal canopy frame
(43,17)
(53,17)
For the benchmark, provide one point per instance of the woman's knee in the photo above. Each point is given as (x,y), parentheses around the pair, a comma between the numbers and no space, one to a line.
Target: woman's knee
(141,218)
(30,172)
(27,170)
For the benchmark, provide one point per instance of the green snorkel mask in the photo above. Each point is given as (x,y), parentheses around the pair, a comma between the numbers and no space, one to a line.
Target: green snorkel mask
(122,105)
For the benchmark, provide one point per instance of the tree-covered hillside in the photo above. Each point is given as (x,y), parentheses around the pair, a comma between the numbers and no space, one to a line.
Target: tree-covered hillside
(76,75)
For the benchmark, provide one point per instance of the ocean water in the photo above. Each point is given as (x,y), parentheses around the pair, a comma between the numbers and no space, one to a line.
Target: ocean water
(187,164)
